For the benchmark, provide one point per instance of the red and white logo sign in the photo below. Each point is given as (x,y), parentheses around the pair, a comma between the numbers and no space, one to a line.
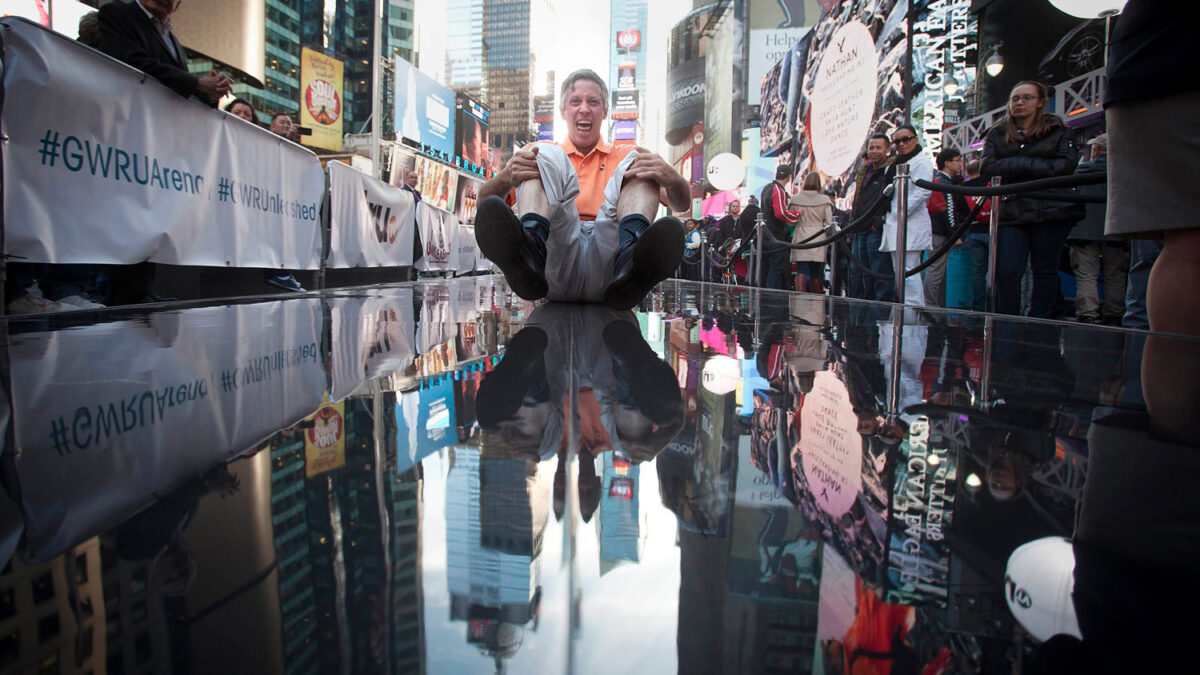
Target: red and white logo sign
(629,39)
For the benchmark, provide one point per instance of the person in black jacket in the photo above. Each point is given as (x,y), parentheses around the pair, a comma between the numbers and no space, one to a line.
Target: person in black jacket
(870,182)
(1027,145)
(139,33)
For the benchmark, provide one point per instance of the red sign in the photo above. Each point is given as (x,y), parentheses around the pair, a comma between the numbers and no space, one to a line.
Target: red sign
(629,39)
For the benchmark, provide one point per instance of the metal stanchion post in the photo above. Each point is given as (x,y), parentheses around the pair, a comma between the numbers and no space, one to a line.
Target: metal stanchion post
(703,256)
(759,277)
(901,228)
(985,379)
(993,245)
(833,261)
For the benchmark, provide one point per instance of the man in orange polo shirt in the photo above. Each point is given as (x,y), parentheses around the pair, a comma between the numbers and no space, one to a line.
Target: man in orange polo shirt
(584,231)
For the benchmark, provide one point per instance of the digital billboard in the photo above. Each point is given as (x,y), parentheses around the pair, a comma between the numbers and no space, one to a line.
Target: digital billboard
(624,131)
(321,100)
(625,105)
(473,138)
(424,111)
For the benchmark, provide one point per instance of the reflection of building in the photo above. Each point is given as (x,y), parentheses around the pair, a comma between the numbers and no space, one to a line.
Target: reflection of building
(496,512)
(52,615)
(621,531)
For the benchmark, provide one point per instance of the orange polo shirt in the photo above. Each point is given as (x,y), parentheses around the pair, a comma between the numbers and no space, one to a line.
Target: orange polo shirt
(594,170)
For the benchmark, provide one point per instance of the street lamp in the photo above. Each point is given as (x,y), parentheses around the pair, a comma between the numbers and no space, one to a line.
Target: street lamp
(995,63)
(950,86)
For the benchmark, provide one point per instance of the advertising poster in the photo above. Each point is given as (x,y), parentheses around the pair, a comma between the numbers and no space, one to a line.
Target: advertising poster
(843,99)
(768,47)
(321,99)
(543,108)
(466,199)
(439,234)
(625,105)
(325,439)
(685,102)
(436,182)
(424,111)
(773,130)
(627,76)
(624,131)
(719,91)
(473,137)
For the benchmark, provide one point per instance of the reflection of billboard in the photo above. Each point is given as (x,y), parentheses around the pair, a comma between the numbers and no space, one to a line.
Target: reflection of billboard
(321,100)
(841,479)
(624,130)
(436,182)
(922,508)
(625,105)
(424,423)
(424,111)
(471,132)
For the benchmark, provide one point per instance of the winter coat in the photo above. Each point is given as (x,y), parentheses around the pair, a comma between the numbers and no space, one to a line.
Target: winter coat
(865,192)
(1051,155)
(816,213)
(1091,228)
(920,229)
(946,211)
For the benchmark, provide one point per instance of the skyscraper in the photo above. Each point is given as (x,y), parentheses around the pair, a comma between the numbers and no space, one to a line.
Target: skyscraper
(627,66)
(510,67)
(464,46)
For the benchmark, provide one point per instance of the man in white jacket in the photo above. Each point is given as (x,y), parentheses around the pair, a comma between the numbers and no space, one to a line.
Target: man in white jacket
(920,228)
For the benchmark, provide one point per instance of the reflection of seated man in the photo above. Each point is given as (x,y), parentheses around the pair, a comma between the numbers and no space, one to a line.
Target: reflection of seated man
(139,33)
(584,231)
(627,401)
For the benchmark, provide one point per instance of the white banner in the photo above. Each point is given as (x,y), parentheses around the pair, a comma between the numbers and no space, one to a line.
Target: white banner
(106,165)
(110,417)
(439,237)
(468,250)
(371,222)
(372,336)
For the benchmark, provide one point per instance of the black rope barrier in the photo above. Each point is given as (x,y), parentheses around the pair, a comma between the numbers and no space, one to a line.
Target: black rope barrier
(1074,198)
(1074,180)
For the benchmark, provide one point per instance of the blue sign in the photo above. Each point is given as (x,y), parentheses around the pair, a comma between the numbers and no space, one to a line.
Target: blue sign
(424,423)
(424,111)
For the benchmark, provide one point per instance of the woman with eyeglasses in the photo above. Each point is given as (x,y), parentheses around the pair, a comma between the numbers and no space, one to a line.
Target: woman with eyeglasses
(920,227)
(1029,144)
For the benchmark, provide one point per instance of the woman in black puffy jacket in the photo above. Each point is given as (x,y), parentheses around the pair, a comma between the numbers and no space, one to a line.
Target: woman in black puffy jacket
(1030,144)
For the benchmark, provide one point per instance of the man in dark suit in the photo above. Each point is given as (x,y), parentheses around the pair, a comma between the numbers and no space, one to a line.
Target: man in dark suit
(139,33)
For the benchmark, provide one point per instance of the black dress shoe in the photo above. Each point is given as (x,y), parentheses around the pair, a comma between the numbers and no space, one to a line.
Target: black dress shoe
(502,391)
(651,381)
(652,258)
(519,253)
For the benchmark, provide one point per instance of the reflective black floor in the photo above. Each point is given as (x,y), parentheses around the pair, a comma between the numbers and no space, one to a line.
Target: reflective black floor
(727,481)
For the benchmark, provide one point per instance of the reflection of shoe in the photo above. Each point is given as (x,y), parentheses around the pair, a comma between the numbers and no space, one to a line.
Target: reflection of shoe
(36,304)
(153,298)
(652,257)
(651,382)
(80,302)
(287,282)
(520,369)
(519,253)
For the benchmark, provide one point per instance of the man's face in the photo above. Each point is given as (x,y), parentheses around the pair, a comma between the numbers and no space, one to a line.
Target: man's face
(734,209)
(584,109)
(281,125)
(410,178)
(161,9)
(877,151)
(954,166)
